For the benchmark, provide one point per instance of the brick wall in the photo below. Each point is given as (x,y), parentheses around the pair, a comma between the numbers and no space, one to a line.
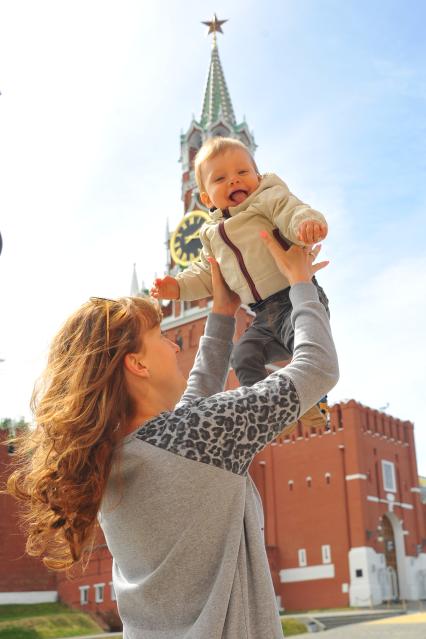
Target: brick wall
(18,571)
(325,488)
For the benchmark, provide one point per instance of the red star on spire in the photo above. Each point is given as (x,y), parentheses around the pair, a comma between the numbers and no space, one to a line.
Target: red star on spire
(215,25)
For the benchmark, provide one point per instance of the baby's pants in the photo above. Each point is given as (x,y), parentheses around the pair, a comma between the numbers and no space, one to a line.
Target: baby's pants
(270,338)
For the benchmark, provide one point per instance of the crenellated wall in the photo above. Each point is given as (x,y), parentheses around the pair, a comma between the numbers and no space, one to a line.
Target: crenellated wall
(324,498)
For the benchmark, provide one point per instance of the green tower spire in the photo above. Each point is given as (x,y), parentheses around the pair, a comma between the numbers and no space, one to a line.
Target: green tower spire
(217,102)
(217,118)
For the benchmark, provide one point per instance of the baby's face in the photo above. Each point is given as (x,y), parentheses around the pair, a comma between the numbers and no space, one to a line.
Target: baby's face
(228,178)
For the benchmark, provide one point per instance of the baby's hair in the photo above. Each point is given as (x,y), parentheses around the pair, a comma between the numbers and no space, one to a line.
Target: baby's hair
(213,147)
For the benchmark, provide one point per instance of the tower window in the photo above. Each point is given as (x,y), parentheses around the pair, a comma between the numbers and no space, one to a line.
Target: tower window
(84,595)
(326,554)
(99,593)
(302,557)
(388,474)
(192,154)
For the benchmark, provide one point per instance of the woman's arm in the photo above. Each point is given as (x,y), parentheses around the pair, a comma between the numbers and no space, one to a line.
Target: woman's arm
(314,368)
(235,425)
(208,375)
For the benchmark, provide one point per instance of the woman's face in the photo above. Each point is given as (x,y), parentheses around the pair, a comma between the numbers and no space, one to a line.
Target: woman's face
(160,358)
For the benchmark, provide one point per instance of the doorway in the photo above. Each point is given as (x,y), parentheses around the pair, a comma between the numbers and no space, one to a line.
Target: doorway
(390,559)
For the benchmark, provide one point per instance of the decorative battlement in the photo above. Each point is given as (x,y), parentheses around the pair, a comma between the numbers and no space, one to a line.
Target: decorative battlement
(352,414)
(377,423)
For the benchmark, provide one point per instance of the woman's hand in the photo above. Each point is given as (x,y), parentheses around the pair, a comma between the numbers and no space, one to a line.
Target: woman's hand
(225,301)
(296,263)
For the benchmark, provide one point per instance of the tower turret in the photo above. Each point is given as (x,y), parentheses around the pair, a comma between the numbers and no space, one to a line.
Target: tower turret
(134,287)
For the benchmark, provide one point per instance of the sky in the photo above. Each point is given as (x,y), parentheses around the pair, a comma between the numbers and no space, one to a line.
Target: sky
(94,97)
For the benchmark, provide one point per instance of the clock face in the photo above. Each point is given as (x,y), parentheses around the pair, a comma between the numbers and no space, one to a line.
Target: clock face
(185,245)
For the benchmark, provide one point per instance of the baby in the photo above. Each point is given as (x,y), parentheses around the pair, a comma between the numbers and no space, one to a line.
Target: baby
(242,203)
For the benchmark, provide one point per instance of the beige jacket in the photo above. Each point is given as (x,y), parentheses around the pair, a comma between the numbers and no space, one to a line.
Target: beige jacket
(234,242)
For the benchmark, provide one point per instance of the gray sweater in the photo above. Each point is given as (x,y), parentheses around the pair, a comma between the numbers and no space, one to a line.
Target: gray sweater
(181,515)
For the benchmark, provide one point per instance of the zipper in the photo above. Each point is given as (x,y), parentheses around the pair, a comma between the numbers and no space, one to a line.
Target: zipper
(280,239)
(240,259)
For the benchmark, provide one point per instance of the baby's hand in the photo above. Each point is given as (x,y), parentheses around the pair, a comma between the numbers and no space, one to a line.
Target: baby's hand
(166,288)
(312,231)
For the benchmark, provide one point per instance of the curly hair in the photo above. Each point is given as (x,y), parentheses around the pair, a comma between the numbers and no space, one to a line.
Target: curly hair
(79,403)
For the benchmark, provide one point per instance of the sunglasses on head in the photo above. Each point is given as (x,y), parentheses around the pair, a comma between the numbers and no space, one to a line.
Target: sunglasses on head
(106,301)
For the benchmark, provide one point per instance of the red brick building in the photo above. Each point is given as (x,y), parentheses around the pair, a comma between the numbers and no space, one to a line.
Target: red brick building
(92,589)
(345,524)
(23,579)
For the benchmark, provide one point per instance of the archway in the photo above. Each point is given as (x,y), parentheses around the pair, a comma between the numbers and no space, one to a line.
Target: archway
(394,551)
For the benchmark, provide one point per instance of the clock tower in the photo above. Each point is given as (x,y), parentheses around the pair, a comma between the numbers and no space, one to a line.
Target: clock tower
(217,119)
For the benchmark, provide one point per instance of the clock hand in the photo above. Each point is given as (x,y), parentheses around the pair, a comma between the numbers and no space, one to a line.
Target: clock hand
(192,237)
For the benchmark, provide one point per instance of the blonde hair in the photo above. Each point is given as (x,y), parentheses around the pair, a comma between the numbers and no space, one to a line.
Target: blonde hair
(211,148)
(78,403)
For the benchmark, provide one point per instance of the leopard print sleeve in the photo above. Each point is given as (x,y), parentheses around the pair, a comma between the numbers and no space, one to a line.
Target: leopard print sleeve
(226,429)
(229,428)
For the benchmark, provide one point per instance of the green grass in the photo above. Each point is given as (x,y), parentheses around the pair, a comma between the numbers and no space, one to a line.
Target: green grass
(55,620)
(44,621)
(20,611)
(18,633)
(291,627)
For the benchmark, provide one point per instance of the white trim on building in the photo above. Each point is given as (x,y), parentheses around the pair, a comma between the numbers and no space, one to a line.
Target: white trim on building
(372,582)
(401,504)
(29,597)
(309,573)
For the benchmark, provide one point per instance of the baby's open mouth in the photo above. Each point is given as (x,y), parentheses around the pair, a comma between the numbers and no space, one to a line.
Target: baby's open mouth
(238,196)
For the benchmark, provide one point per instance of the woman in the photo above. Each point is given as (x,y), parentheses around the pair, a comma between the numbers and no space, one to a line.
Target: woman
(168,481)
